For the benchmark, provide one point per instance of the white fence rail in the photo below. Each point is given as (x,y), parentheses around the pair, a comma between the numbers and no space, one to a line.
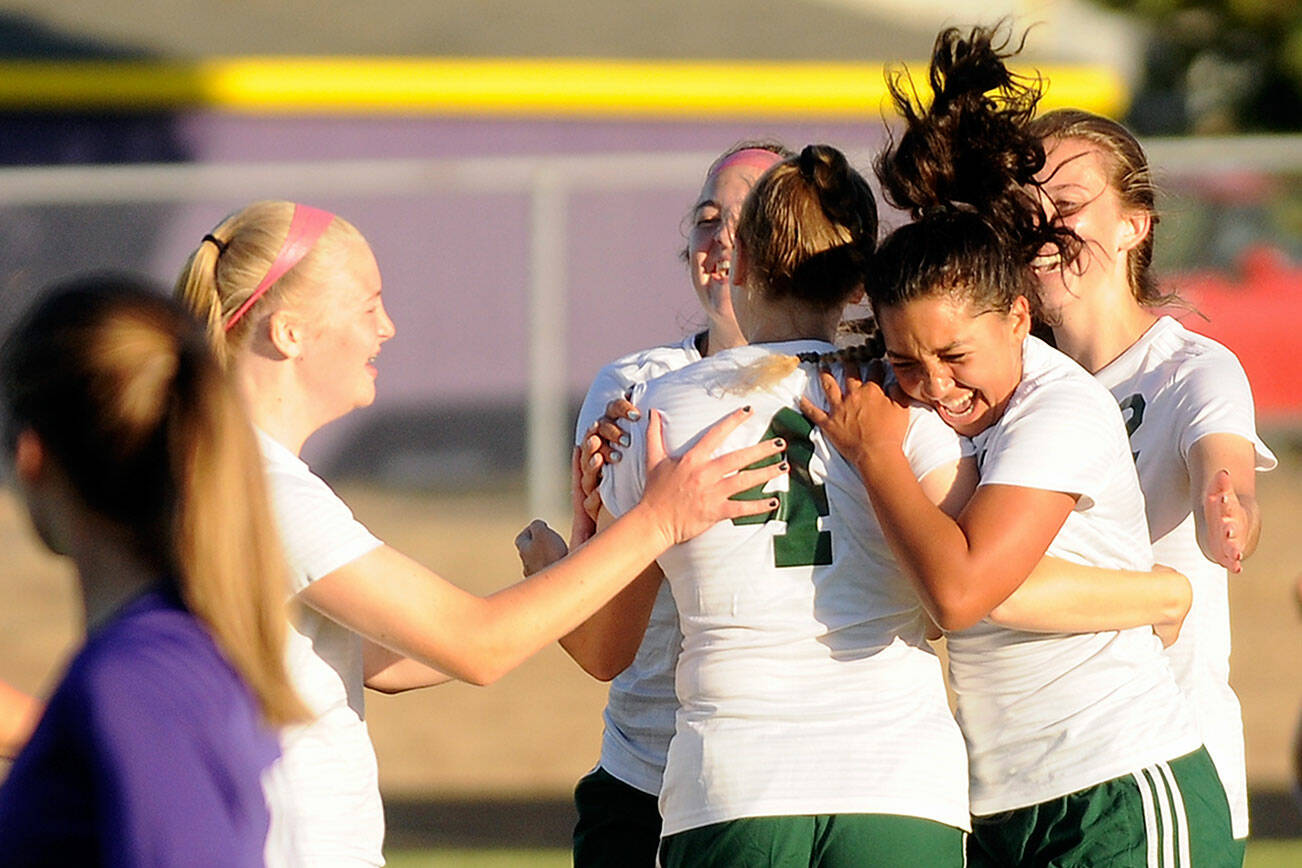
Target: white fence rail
(549,182)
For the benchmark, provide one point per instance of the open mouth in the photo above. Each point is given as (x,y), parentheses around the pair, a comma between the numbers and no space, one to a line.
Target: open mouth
(957,410)
(1047,262)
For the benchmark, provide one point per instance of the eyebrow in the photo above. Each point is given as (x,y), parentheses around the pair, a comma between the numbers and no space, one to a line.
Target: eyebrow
(705,203)
(951,347)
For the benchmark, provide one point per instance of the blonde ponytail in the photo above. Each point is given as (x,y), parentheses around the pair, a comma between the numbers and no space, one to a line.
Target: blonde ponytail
(119,385)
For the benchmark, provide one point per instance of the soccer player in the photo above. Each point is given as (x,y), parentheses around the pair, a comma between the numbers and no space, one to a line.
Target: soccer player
(1188,406)
(1081,747)
(812,727)
(619,822)
(291,297)
(131,453)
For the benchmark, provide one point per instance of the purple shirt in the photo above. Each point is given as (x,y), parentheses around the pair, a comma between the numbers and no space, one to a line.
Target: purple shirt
(150,752)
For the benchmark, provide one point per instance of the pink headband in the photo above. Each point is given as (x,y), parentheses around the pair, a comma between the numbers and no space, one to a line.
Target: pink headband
(305,229)
(755,158)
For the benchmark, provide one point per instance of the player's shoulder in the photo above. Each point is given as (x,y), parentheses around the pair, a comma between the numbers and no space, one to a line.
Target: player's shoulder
(1052,378)
(1196,353)
(650,363)
(154,648)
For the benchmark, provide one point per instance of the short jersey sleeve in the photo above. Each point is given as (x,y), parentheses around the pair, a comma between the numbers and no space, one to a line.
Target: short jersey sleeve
(609,384)
(1213,397)
(1060,438)
(616,379)
(317,530)
(930,444)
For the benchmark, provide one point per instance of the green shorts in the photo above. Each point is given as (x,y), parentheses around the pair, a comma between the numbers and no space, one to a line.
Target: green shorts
(619,825)
(826,841)
(1169,815)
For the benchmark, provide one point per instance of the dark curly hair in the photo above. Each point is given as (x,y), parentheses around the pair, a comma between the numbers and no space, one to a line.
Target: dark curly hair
(964,168)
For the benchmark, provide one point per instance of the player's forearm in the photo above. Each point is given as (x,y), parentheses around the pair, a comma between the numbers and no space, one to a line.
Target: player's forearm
(517,621)
(1064,597)
(606,644)
(387,671)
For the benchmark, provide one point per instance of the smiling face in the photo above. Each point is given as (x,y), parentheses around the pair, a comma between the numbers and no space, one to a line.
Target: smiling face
(710,242)
(964,363)
(1076,180)
(337,364)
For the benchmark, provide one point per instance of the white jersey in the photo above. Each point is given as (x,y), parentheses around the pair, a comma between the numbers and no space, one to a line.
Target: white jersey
(1176,387)
(1049,714)
(639,715)
(805,683)
(329,763)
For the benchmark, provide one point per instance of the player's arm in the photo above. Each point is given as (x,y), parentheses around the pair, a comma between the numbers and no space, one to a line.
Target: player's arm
(962,568)
(1064,597)
(19,713)
(605,644)
(387,671)
(395,602)
(1223,483)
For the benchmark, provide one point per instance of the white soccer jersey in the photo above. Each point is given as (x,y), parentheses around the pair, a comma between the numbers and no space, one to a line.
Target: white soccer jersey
(1176,387)
(639,715)
(328,763)
(805,682)
(1049,714)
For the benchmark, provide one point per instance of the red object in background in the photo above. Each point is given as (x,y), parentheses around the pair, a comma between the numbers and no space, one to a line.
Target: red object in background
(1257,313)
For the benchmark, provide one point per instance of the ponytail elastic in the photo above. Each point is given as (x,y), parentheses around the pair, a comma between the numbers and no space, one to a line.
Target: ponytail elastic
(305,229)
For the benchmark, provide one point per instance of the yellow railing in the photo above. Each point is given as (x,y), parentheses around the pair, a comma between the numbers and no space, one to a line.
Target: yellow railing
(502,87)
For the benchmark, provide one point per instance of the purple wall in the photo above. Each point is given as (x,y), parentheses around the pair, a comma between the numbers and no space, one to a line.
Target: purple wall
(454,265)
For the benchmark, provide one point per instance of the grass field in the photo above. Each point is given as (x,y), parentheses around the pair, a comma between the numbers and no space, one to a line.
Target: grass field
(1261,854)
(532,734)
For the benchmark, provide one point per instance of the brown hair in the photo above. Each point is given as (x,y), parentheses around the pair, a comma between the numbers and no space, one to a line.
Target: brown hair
(963,168)
(1128,175)
(120,387)
(808,228)
(229,263)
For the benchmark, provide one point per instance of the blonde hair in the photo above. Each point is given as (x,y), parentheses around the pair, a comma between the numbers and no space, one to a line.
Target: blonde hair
(228,264)
(120,387)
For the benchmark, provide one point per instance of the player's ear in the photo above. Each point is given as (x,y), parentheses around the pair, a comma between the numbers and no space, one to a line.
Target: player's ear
(1135,226)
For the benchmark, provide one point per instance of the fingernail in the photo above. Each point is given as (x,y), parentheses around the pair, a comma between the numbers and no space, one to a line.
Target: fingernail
(779,443)
(615,457)
(634,415)
(625,440)
(773,504)
(784,467)
(746,409)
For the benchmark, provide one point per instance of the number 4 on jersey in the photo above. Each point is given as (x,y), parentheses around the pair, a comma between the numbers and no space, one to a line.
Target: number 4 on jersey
(801,505)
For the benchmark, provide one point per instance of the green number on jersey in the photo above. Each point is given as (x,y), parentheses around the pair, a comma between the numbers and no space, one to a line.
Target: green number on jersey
(1134,406)
(803,544)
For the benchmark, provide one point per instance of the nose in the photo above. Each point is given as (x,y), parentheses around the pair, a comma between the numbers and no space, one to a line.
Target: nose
(387,328)
(937,382)
(724,235)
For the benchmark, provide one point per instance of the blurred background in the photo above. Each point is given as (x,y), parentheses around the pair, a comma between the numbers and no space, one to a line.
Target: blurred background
(522,170)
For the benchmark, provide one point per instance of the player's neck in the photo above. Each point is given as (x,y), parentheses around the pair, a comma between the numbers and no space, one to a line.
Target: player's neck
(1095,335)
